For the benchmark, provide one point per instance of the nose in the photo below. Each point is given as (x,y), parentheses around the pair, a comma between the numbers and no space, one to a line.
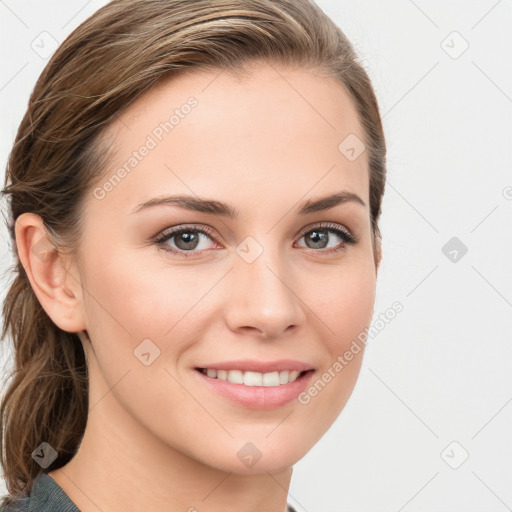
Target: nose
(263,299)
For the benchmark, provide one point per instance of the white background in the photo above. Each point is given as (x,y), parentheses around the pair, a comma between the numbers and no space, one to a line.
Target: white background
(440,371)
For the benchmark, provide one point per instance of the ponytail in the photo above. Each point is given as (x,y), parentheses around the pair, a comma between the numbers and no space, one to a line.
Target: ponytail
(46,400)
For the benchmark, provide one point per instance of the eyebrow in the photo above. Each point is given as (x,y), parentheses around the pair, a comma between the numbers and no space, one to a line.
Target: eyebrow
(214,207)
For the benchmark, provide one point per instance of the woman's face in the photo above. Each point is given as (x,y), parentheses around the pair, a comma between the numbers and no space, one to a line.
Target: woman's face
(274,287)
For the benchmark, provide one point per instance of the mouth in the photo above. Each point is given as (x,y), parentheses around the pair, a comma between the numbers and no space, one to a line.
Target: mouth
(252,378)
(271,388)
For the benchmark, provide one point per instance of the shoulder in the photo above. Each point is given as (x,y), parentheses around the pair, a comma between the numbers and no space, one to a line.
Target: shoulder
(9,504)
(46,496)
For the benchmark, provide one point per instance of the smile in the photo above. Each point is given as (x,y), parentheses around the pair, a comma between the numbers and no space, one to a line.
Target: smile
(256,384)
(250,378)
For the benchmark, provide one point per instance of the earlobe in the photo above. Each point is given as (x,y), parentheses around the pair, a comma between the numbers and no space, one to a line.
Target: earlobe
(56,288)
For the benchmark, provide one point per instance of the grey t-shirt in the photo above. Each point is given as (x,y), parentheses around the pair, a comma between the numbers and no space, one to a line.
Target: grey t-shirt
(48,496)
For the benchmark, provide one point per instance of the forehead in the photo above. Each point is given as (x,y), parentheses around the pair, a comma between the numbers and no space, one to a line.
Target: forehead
(274,131)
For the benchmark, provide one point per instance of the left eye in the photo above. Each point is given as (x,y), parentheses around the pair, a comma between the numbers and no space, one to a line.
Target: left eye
(188,239)
(320,236)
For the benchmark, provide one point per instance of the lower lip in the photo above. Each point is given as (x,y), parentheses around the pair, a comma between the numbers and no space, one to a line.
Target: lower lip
(258,397)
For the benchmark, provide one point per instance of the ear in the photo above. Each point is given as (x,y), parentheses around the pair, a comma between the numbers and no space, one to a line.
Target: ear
(56,285)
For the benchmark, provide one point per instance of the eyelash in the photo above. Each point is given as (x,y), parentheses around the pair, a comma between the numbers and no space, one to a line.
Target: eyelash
(347,237)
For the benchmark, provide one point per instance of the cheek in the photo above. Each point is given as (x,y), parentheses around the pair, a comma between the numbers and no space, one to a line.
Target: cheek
(140,302)
(126,306)
(345,302)
(346,308)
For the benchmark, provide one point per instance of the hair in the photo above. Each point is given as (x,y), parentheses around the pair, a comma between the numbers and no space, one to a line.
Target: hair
(103,66)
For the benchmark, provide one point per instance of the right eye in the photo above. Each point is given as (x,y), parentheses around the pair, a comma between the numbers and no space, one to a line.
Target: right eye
(187,239)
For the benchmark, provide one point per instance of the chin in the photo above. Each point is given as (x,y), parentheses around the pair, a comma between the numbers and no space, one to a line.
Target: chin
(252,455)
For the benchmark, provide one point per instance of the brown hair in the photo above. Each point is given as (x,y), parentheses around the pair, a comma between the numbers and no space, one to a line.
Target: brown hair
(110,60)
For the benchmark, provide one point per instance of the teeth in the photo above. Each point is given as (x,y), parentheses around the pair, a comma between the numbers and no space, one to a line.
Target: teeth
(271,379)
(253,378)
(293,375)
(236,376)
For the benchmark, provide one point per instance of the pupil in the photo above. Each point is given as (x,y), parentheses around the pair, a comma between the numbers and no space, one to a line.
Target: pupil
(319,238)
(186,238)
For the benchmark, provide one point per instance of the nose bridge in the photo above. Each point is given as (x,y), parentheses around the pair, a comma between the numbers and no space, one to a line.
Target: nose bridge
(261,266)
(263,296)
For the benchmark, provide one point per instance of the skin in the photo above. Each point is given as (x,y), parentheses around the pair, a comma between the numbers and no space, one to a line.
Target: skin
(156,434)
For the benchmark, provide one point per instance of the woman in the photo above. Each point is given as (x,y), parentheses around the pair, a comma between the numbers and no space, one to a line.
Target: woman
(195,192)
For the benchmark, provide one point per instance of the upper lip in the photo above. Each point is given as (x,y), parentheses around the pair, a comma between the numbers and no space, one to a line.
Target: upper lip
(253,365)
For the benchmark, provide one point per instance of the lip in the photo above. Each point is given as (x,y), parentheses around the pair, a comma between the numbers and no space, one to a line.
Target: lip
(251,365)
(258,397)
